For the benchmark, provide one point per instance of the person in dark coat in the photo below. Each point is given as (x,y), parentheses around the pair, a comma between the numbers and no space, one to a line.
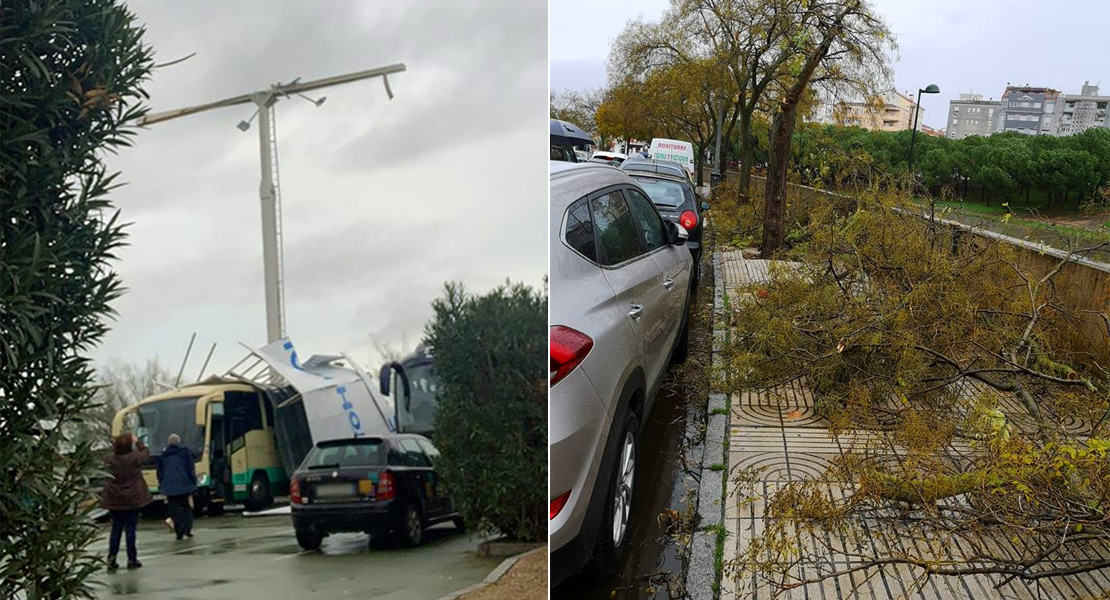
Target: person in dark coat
(125,495)
(177,479)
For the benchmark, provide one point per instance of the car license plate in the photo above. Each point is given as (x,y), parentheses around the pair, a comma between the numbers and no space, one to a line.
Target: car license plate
(335,490)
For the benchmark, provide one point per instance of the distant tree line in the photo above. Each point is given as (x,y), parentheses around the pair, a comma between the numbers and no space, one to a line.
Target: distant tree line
(1004,167)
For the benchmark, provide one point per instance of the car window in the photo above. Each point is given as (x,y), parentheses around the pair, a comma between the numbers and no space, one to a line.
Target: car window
(429,449)
(648,218)
(414,456)
(579,231)
(563,153)
(616,229)
(344,453)
(662,192)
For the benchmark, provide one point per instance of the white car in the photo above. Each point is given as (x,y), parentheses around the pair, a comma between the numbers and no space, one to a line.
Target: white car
(610,158)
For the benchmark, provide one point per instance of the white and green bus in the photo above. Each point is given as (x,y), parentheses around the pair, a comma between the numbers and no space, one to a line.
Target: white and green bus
(230,428)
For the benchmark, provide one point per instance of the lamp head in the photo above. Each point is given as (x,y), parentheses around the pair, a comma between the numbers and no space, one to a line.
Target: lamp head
(932,88)
(244,125)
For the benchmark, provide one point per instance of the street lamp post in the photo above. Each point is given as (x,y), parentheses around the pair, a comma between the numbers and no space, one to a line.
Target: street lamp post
(932,88)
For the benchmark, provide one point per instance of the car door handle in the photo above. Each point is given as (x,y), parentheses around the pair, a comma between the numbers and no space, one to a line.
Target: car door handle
(668,283)
(637,310)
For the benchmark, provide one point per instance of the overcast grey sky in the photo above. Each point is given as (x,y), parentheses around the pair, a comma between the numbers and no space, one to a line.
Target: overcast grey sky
(383,201)
(960,45)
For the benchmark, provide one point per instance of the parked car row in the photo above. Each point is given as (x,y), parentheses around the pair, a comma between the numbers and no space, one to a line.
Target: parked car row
(621,285)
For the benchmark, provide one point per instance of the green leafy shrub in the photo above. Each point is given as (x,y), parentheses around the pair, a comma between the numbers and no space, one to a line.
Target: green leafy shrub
(71,75)
(492,412)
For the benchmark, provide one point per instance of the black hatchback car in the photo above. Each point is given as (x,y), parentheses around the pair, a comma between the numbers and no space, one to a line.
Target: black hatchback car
(376,485)
(675,198)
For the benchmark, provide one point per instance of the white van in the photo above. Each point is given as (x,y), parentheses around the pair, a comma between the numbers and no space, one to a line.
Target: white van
(675,151)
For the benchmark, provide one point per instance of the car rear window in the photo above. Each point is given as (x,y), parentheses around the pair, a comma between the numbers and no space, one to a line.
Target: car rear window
(579,230)
(663,192)
(345,453)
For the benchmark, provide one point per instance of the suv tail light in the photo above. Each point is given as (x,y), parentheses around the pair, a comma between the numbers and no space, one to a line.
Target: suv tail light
(558,504)
(295,492)
(386,488)
(688,219)
(568,349)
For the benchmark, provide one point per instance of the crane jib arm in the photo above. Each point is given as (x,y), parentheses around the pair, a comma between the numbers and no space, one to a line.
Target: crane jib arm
(276,90)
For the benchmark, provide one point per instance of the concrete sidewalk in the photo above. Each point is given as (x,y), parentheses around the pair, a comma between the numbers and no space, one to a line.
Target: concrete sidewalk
(779,433)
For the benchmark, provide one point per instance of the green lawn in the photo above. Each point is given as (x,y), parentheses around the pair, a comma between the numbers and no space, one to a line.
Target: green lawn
(1025,217)
(1037,205)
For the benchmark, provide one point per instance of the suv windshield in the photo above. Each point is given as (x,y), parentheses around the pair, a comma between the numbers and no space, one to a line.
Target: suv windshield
(663,192)
(345,453)
(153,423)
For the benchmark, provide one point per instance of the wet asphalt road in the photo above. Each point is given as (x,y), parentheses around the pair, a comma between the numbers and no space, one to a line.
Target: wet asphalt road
(247,558)
(662,483)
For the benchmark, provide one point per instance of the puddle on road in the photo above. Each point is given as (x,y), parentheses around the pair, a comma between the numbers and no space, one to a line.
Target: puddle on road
(129,584)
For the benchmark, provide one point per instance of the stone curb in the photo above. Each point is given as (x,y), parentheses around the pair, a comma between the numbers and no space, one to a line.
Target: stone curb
(493,576)
(702,574)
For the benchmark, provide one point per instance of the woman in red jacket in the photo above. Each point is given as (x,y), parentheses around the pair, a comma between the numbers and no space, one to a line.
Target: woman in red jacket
(125,495)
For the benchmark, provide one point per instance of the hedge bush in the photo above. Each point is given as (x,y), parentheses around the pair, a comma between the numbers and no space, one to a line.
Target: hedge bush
(71,76)
(490,356)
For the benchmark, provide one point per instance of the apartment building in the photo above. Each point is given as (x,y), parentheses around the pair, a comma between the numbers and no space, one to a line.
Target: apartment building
(1029,110)
(930,131)
(1078,113)
(971,115)
(890,111)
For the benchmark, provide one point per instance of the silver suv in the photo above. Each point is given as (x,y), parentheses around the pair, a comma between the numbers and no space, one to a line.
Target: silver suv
(620,290)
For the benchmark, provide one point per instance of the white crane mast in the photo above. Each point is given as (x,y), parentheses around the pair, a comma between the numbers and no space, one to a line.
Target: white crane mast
(268,190)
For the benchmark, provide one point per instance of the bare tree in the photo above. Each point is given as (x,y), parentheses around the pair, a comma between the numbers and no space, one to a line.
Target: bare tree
(579,108)
(834,43)
(119,385)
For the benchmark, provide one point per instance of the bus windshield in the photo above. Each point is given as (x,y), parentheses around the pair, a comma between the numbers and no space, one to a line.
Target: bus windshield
(155,421)
(418,414)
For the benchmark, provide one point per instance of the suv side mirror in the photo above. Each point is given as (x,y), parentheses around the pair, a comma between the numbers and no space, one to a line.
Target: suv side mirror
(676,234)
(704,205)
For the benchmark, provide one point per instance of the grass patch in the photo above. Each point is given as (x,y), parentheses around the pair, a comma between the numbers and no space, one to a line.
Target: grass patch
(719,556)
(720,410)
(1038,204)
(1024,222)
(717,467)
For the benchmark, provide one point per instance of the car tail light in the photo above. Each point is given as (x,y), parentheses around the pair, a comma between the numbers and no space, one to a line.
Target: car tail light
(295,491)
(558,503)
(568,349)
(386,488)
(688,219)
